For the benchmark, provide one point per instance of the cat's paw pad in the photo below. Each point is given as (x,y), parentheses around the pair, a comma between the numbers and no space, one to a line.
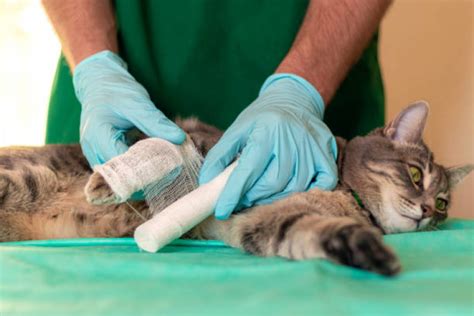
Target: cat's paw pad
(98,191)
(362,247)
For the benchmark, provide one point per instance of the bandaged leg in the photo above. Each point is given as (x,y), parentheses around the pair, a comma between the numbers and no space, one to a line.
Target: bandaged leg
(164,171)
(168,176)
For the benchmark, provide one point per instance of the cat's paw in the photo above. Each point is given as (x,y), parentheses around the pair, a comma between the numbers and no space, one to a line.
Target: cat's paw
(361,247)
(98,191)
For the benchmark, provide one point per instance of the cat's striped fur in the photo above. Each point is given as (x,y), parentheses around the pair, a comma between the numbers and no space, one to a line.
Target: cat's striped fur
(42,197)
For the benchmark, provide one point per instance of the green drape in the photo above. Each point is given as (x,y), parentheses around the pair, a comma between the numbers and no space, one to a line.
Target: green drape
(111,277)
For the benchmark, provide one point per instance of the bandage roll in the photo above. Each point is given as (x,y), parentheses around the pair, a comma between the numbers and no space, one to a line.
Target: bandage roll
(182,215)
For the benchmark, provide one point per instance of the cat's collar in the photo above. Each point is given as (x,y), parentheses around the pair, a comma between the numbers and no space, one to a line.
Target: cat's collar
(369,213)
(358,200)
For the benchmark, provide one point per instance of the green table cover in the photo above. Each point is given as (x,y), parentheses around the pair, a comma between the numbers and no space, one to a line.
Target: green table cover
(112,277)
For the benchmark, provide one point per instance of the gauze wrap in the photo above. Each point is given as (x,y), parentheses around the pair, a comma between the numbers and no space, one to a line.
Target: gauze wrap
(164,171)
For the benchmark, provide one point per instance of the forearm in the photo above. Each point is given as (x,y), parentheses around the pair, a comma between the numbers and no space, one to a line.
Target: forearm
(84,27)
(331,39)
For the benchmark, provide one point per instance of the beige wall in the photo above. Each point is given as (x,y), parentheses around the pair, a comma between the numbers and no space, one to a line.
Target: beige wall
(427,53)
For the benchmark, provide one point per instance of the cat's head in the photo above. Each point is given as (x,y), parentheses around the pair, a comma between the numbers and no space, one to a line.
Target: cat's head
(395,175)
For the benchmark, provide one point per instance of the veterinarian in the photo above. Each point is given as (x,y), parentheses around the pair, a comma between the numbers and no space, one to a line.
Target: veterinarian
(267,71)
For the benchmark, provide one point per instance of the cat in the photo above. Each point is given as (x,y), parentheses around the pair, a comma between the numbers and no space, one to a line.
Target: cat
(388,183)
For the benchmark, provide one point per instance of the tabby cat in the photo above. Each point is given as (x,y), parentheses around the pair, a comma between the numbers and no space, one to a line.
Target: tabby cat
(389,183)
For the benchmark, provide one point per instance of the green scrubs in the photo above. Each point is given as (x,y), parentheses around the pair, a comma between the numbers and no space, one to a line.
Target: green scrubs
(208,58)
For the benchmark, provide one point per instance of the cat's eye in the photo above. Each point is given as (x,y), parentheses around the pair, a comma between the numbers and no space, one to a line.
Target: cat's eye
(441,204)
(415,174)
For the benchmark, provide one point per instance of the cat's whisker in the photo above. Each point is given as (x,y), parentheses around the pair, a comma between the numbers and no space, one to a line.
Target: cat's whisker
(431,228)
(136,211)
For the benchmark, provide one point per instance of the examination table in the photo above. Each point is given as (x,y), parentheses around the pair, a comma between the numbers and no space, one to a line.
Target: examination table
(112,277)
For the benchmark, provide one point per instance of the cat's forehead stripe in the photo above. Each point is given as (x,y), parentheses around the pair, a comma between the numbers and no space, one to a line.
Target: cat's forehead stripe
(428,178)
(435,181)
(430,166)
(419,161)
(444,184)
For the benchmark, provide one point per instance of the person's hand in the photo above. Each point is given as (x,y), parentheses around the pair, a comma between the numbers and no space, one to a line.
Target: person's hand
(112,103)
(284,147)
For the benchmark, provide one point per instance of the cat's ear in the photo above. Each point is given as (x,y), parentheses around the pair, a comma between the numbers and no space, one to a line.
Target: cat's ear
(457,174)
(408,126)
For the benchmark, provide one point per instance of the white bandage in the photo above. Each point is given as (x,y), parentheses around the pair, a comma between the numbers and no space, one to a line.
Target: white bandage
(179,217)
(164,171)
(181,181)
(167,174)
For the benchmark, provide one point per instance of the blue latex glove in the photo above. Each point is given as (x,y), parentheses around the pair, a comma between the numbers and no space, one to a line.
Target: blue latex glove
(112,103)
(284,147)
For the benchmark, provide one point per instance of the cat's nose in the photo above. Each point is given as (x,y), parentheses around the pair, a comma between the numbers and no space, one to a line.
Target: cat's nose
(427,211)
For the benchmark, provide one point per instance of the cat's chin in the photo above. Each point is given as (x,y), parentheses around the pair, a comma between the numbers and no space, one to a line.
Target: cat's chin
(393,222)
(396,223)
(401,225)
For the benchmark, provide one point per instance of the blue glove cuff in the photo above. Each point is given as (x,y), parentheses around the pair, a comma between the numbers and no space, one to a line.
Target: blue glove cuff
(102,55)
(308,87)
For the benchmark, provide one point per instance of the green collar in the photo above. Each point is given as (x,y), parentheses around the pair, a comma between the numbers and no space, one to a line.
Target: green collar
(358,200)
(362,206)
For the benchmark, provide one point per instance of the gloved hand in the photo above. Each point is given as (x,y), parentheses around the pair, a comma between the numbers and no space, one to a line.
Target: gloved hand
(284,147)
(112,103)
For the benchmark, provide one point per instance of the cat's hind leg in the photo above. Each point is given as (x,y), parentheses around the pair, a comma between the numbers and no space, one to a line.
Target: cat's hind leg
(13,228)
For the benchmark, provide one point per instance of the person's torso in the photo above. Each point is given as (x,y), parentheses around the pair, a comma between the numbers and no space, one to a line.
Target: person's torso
(208,58)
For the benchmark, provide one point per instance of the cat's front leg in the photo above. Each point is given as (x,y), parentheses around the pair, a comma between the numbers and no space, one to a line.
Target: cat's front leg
(339,239)
(299,235)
